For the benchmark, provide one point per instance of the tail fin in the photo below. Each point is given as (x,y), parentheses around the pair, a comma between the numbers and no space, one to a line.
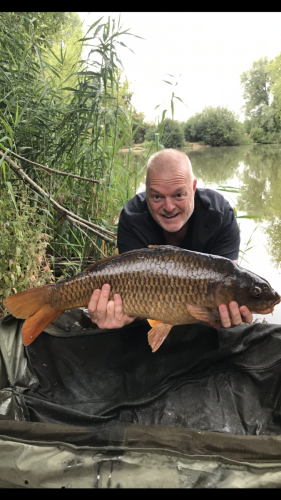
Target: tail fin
(33,304)
(35,325)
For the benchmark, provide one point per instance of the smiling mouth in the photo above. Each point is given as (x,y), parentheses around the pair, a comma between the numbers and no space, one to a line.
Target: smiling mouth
(169,216)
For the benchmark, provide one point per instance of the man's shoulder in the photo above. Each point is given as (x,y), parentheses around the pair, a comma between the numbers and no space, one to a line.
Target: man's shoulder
(136,205)
(211,200)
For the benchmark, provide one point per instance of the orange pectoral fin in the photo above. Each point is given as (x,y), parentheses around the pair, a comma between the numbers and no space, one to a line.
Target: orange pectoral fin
(158,334)
(203,314)
(153,322)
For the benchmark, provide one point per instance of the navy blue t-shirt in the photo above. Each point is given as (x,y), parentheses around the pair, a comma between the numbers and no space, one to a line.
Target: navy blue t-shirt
(212,227)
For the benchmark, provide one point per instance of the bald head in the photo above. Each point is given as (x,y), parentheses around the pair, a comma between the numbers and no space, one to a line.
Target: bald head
(170,189)
(169,160)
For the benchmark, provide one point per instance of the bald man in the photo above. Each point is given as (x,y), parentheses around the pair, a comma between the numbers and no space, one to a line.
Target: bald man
(173,211)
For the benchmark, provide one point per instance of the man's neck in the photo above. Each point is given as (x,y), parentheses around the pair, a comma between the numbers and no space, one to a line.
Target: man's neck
(176,239)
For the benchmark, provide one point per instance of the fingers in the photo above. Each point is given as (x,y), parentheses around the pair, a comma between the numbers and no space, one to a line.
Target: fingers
(225,319)
(118,313)
(107,313)
(246,314)
(102,306)
(92,306)
(237,315)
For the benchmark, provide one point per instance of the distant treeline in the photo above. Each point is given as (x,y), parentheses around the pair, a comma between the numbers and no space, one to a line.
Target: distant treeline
(261,86)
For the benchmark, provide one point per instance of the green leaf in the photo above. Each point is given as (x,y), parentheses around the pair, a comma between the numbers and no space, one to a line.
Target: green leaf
(167,82)
(40,62)
(10,188)
(94,24)
(2,161)
(17,114)
(180,100)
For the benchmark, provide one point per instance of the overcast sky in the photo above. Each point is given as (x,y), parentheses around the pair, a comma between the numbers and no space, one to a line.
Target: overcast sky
(209,50)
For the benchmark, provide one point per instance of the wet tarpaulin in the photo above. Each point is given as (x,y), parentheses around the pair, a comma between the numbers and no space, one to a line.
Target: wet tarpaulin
(204,410)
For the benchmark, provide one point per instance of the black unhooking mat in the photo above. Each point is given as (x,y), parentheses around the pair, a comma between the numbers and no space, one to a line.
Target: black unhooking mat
(201,378)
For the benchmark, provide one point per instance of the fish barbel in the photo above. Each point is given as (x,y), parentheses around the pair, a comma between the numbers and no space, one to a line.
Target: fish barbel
(166,284)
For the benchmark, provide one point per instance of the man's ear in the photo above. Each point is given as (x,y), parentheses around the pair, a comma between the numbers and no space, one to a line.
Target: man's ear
(194,185)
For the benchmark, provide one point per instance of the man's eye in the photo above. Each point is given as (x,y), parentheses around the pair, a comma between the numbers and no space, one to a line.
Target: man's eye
(155,197)
(179,195)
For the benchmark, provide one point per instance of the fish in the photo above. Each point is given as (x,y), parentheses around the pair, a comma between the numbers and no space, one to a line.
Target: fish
(166,285)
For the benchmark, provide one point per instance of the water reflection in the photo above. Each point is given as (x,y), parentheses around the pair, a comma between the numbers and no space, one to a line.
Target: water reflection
(256,171)
(217,165)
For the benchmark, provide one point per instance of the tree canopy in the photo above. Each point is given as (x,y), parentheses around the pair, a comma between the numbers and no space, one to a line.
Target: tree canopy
(215,126)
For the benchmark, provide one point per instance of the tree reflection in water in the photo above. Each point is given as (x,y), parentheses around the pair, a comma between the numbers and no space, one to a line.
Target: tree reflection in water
(256,170)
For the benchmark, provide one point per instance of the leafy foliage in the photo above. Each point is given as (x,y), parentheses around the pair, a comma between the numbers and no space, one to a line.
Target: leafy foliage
(255,83)
(274,73)
(216,127)
(23,262)
(172,136)
(263,121)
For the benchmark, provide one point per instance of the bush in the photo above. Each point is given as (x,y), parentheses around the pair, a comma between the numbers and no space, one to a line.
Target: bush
(190,130)
(148,144)
(23,245)
(259,135)
(150,133)
(216,127)
(172,136)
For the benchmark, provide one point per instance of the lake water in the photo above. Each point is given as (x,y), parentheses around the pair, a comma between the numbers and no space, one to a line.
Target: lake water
(255,172)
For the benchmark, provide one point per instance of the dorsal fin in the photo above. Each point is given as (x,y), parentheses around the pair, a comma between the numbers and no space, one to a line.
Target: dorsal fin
(91,267)
(168,247)
(106,259)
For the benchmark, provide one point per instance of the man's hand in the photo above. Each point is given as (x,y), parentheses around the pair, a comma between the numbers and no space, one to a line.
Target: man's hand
(237,315)
(107,314)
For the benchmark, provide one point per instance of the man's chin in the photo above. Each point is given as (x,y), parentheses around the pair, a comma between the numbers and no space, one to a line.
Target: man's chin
(171,226)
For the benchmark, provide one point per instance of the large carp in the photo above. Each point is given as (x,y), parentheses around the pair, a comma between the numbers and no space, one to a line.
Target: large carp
(166,284)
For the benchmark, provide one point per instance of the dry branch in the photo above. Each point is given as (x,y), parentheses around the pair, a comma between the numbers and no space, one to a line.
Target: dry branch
(59,208)
(52,170)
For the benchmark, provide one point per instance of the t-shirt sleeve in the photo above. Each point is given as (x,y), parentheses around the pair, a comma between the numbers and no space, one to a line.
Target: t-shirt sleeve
(126,239)
(227,241)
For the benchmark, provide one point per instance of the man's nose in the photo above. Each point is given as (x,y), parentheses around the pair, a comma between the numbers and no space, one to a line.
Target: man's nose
(169,204)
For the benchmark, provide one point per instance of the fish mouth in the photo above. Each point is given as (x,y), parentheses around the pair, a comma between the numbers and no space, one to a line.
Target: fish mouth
(270,306)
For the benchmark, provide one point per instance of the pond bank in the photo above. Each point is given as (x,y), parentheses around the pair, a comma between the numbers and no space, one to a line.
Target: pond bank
(194,146)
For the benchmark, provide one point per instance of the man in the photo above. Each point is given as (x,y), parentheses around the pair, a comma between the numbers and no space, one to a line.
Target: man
(173,212)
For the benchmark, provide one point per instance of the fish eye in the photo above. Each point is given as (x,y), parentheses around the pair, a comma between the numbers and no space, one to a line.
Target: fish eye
(255,291)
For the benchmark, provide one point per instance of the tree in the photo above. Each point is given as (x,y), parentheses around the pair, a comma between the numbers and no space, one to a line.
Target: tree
(263,119)
(256,87)
(150,132)
(274,72)
(216,127)
(172,136)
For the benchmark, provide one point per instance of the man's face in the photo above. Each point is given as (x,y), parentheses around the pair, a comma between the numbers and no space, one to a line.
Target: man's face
(170,196)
